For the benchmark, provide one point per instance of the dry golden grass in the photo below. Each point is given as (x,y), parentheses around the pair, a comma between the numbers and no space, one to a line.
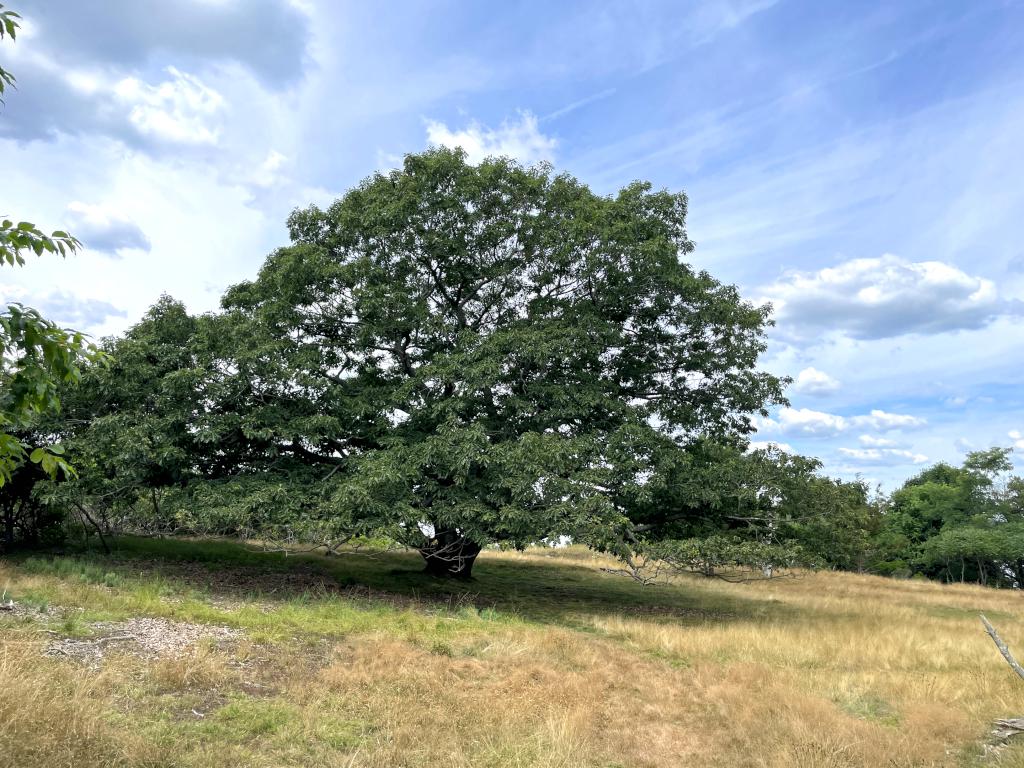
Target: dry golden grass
(54,715)
(831,670)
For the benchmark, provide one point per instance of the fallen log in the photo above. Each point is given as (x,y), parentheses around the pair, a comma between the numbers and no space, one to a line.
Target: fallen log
(1006,729)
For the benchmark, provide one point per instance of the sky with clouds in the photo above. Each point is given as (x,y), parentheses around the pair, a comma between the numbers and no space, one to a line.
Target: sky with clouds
(858,165)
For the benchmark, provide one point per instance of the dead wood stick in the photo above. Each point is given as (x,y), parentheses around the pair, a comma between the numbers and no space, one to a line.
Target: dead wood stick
(1002,646)
(100,640)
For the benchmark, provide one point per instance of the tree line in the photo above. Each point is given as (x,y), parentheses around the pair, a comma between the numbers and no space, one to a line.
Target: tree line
(453,356)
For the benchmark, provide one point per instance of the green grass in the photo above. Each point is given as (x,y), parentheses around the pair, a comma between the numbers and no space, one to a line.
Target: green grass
(561,592)
(542,660)
(870,706)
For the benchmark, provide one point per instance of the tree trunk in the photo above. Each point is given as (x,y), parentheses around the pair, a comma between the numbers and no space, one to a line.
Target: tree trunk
(95,525)
(450,554)
(9,527)
(1018,572)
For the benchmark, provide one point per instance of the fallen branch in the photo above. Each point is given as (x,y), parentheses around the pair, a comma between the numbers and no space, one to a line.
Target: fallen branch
(1007,729)
(1003,649)
(63,648)
(113,638)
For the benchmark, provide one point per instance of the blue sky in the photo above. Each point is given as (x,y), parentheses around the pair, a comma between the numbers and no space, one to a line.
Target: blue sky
(857,164)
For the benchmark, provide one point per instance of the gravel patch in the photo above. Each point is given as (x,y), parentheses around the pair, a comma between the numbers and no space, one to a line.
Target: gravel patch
(20,610)
(145,637)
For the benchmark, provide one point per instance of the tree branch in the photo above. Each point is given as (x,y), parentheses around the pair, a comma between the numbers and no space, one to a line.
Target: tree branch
(1002,646)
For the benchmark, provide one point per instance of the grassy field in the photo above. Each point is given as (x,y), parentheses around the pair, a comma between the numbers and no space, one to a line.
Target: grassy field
(543,660)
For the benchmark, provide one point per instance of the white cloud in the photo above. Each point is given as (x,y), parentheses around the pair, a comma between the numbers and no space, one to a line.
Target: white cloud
(876,442)
(884,297)
(178,110)
(883,421)
(1017,437)
(63,307)
(811,381)
(810,423)
(85,82)
(963,445)
(269,171)
(520,139)
(807,422)
(883,456)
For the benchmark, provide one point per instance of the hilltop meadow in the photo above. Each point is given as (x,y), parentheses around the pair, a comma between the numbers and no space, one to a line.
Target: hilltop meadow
(299,513)
(543,660)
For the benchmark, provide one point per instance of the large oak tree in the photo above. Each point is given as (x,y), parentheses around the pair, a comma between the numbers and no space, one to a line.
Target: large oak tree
(491,353)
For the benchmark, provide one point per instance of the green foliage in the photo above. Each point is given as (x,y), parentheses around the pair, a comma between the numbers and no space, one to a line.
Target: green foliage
(128,424)
(450,355)
(723,556)
(24,237)
(24,518)
(834,522)
(767,499)
(485,351)
(36,359)
(958,523)
(454,355)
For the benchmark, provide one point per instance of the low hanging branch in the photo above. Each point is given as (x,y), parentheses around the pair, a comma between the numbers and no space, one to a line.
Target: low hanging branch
(1003,649)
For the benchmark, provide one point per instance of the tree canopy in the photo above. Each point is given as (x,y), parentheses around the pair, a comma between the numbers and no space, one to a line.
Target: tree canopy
(492,353)
(959,523)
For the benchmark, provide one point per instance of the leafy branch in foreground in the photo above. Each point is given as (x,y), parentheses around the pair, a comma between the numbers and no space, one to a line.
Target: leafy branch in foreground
(8,28)
(15,239)
(37,356)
